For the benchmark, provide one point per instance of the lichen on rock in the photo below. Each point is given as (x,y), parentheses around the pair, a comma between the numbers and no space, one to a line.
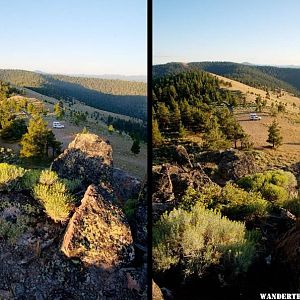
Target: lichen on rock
(98,232)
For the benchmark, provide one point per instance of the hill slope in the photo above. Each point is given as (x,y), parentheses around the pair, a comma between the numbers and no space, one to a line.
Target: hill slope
(289,152)
(257,76)
(123,97)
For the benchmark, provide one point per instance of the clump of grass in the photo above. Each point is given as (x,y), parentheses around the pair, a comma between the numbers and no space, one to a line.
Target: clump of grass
(10,177)
(54,196)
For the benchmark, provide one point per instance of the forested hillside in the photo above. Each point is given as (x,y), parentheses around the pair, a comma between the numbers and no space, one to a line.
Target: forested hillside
(266,77)
(123,97)
(195,102)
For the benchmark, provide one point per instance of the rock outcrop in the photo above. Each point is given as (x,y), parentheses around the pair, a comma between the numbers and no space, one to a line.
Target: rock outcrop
(98,233)
(88,158)
(100,257)
(235,164)
(182,157)
(170,182)
(125,186)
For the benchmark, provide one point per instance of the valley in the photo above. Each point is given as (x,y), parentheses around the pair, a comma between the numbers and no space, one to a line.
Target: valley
(136,164)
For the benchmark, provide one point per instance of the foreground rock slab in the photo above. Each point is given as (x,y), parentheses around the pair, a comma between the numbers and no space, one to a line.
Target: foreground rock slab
(98,233)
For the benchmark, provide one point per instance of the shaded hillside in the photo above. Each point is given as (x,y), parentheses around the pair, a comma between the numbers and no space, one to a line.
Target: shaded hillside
(123,97)
(257,76)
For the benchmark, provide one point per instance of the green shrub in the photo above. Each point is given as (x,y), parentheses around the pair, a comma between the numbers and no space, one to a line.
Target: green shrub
(292,205)
(231,200)
(236,258)
(208,196)
(30,179)
(275,193)
(72,185)
(12,231)
(197,239)
(10,177)
(239,204)
(129,208)
(275,186)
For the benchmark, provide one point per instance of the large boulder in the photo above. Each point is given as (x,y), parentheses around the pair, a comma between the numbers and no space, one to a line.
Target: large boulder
(181,156)
(88,157)
(125,186)
(98,233)
(235,164)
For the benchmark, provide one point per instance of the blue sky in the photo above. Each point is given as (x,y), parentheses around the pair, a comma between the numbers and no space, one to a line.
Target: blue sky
(74,36)
(256,31)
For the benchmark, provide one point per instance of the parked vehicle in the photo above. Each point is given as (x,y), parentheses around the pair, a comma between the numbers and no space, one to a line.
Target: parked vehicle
(254,117)
(57,124)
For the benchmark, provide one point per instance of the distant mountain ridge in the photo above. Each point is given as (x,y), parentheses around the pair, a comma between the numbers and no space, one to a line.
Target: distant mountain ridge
(265,77)
(138,78)
(118,96)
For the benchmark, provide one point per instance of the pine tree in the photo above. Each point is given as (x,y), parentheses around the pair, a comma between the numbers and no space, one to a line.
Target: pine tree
(157,138)
(214,139)
(176,117)
(181,131)
(136,148)
(163,115)
(37,141)
(33,143)
(52,143)
(274,136)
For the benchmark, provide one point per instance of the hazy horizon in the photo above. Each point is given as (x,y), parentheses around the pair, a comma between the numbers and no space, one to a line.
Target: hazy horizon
(262,33)
(75,37)
(237,62)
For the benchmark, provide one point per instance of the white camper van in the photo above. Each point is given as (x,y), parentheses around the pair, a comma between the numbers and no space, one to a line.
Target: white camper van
(254,117)
(57,124)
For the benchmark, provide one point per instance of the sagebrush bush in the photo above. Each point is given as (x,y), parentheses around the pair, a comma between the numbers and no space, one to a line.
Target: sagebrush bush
(239,204)
(231,200)
(54,196)
(292,205)
(208,196)
(55,199)
(275,186)
(10,177)
(48,177)
(197,239)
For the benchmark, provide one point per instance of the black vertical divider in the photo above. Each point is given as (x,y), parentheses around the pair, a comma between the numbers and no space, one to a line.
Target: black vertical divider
(149,165)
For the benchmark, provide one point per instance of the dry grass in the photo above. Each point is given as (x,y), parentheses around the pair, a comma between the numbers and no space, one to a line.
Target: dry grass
(289,122)
(251,94)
